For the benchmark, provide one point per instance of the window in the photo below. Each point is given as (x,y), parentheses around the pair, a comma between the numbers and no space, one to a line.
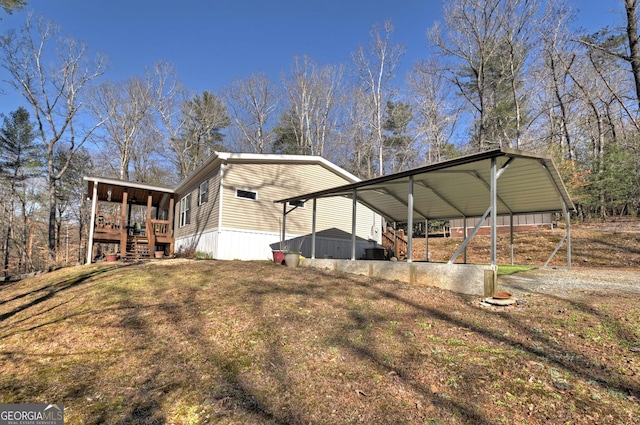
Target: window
(246,194)
(185,210)
(299,204)
(203,194)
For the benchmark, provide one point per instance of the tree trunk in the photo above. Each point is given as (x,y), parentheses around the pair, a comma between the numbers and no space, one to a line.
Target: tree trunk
(52,221)
(634,43)
(6,241)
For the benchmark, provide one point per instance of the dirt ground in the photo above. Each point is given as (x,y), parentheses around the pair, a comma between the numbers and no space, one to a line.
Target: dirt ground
(593,245)
(605,257)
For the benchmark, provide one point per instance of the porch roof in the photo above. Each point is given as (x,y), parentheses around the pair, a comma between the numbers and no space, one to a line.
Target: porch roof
(136,191)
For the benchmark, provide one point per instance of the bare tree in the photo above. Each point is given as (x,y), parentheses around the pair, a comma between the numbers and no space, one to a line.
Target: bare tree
(557,56)
(487,42)
(375,68)
(311,93)
(354,146)
(169,94)
(252,105)
(54,94)
(123,106)
(436,110)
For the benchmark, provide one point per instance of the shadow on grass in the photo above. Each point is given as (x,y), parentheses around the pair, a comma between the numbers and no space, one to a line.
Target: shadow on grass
(51,290)
(221,348)
(538,345)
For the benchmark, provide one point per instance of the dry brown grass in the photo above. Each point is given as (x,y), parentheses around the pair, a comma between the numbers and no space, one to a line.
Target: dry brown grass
(612,245)
(187,342)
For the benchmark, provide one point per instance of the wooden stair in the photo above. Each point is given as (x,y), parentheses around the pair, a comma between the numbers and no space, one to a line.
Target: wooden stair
(138,247)
(395,241)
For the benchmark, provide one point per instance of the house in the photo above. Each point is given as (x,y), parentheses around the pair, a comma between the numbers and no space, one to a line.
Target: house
(521,223)
(225,209)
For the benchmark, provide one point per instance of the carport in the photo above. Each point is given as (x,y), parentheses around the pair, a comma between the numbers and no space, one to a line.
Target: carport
(500,182)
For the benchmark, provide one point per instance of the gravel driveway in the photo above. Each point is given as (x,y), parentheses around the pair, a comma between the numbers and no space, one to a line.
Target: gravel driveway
(567,283)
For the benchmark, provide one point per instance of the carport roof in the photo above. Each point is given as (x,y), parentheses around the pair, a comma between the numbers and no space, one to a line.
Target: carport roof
(526,183)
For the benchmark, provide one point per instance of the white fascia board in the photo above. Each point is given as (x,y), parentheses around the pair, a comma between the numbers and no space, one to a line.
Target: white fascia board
(135,185)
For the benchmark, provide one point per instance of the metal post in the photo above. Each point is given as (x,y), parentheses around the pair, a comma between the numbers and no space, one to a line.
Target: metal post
(511,235)
(395,239)
(410,221)
(353,225)
(426,239)
(493,207)
(313,229)
(284,223)
(464,256)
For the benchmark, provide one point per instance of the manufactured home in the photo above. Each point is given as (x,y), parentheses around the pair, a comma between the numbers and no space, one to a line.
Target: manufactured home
(225,210)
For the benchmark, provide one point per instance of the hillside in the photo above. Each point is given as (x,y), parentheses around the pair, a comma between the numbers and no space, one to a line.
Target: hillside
(190,342)
(612,244)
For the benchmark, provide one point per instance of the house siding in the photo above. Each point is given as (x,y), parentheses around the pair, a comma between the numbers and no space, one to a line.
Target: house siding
(276,181)
(228,227)
(203,217)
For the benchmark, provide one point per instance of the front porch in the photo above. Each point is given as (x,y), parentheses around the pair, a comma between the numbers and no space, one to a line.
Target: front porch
(132,219)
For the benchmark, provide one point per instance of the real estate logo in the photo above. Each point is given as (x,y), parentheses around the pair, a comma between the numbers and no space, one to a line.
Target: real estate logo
(31,414)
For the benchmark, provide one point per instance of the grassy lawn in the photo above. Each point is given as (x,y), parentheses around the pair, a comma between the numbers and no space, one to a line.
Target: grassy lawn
(191,342)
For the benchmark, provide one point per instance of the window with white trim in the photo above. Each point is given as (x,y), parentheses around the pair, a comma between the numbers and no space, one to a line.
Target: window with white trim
(203,192)
(185,210)
(247,194)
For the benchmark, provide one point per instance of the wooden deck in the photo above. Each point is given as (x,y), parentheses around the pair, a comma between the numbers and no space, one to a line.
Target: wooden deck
(135,243)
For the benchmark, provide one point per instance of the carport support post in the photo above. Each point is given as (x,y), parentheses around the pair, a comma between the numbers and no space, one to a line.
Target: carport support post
(284,223)
(395,239)
(494,206)
(464,232)
(353,224)
(511,235)
(313,229)
(567,218)
(410,221)
(426,239)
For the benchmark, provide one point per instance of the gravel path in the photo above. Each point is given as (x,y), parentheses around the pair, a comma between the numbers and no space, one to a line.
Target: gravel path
(566,283)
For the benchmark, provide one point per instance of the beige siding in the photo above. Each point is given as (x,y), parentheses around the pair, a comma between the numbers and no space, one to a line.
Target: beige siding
(277,181)
(205,216)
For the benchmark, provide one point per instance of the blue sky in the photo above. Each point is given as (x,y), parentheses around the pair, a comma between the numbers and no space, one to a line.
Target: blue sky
(211,42)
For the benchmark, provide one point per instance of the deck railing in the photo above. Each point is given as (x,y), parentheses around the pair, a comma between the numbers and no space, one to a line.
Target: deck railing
(107,222)
(161,228)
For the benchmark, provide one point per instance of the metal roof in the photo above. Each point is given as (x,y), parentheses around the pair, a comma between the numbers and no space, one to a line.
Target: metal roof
(526,183)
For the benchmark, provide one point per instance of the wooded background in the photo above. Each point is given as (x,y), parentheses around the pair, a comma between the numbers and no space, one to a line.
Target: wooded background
(507,73)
